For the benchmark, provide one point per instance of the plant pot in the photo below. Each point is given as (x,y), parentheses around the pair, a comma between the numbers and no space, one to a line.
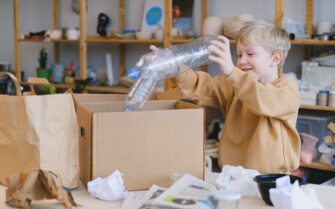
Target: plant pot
(43,73)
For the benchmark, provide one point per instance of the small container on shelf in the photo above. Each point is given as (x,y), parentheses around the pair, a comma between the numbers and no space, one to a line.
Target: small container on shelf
(323,97)
(331,98)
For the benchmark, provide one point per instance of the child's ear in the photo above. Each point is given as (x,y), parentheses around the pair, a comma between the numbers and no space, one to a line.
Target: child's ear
(277,57)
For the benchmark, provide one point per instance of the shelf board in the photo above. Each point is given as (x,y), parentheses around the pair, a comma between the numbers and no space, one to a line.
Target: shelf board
(109,89)
(312,42)
(51,41)
(302,42)
(63,85)
(315,107)
(180,40)
(57,85)
(318,166)
(98,39)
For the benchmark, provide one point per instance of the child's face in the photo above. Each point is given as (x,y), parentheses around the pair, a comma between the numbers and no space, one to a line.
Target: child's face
(252,57)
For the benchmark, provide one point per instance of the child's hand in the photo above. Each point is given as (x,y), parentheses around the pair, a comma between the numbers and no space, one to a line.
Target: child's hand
(222,55)
(153,48)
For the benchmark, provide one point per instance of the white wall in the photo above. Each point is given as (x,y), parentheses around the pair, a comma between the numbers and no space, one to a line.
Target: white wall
(37,15)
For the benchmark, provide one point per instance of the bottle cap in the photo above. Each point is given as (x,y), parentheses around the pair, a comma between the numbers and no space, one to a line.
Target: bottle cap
(323,91)
(134,73)
(227,196)
(128,31)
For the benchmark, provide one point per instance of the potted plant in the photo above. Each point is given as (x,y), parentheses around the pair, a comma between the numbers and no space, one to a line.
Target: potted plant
(42,71)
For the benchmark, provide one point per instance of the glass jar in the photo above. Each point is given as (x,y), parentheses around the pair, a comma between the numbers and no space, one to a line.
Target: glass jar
(227,200)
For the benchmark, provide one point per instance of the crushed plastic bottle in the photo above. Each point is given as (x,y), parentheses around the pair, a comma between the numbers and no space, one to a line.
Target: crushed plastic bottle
(163,64)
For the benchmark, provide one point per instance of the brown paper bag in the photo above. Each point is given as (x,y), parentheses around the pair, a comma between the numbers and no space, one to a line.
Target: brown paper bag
(23,188)
(39,132)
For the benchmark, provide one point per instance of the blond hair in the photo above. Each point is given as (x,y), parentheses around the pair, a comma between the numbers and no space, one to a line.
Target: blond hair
(268,35)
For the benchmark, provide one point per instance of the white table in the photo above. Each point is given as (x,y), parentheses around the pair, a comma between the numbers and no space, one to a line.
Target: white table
(326,195)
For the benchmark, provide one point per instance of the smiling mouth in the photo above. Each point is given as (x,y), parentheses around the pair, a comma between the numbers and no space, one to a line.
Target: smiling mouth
(247,69)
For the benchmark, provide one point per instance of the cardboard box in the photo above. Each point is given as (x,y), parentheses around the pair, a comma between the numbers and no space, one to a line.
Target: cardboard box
(91,98)
(146,146)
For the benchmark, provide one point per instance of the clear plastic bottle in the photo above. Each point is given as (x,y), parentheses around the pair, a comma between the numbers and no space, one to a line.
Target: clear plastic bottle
(163,64)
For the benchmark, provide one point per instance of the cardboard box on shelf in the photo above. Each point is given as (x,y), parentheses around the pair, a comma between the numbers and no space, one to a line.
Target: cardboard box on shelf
(146,146)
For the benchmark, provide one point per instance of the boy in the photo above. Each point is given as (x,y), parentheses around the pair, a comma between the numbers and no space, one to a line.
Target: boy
(260,108)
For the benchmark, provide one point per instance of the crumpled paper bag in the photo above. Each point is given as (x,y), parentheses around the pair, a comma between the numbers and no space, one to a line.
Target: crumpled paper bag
(23,188)
(110,188)
(238,180)
(291,196)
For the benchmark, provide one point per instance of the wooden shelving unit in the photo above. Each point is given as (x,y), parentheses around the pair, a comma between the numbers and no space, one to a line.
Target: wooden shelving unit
(316,165)
(309,43)
(166,42)
(84,39)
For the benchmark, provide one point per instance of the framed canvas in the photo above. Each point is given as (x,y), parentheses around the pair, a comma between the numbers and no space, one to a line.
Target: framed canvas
(153,15)
(182,16)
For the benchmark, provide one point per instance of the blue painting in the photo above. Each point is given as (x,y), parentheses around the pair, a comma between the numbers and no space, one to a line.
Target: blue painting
(154,16)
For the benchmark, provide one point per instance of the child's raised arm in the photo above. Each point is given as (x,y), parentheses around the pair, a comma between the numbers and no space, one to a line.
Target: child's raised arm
(222,55)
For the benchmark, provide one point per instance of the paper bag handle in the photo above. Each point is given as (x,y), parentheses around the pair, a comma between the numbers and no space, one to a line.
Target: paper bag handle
(14,79)
(37,81)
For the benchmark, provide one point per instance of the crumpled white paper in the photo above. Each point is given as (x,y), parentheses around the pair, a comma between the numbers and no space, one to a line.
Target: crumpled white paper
(238,180)
(291,196)
(110,188)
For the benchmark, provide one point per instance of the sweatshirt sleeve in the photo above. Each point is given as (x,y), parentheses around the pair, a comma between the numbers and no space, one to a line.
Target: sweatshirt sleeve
(280,99)
(207,90)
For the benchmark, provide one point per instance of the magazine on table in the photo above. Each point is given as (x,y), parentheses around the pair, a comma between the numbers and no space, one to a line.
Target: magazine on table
(187,192)
(138,200)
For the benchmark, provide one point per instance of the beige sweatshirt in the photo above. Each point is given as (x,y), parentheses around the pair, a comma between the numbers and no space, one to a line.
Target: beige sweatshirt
(259,131)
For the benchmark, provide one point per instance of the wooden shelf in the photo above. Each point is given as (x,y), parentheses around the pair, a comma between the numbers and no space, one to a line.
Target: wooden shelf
(312,42)
(180,40)
(103,89)
(302,42)
(315,107)
(57,85)
(51,41)
(86,39)
(318,166)
(98,39)
(109,89)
